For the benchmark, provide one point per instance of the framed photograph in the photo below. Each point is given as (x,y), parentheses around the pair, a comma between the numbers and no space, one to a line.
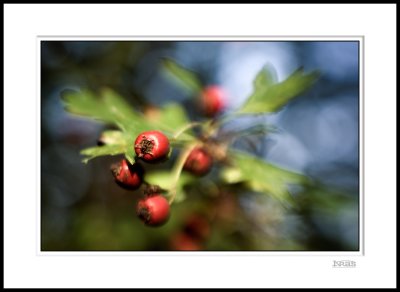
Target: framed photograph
(173,152)
(215,144)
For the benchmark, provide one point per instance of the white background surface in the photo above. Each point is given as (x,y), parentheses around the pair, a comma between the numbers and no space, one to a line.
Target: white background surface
(25,267)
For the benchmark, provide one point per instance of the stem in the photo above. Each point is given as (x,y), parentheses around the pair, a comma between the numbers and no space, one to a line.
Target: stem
(177,170)
(185,128)
(228,117)
(215,124)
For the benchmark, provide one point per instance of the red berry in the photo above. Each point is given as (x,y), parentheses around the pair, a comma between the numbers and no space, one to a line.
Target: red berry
(199,162)
(152,146)
(182,241)
(197,226)
(213,99)
(153,210)
(129,176)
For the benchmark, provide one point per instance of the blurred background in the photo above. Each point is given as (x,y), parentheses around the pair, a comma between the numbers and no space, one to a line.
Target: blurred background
(82,209)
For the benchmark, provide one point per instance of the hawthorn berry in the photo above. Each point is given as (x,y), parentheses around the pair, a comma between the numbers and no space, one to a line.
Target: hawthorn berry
(199,162)
(197,226)
(152,146)
(153,210)
(128,176)
(212,100)
(184,242)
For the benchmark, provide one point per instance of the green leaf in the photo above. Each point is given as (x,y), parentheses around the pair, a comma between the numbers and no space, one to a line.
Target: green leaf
(260,129)
(232,175)
(165,180)
(109,108)
(327,199)
(112,137)
(130,151)
(113,143)
(265,78)
(185,78)
(97,151)
(268,97)
(171,118)
(261,176)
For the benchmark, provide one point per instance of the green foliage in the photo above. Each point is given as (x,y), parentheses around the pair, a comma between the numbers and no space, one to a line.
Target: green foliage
(112,137)
(165,180)
(261,176)
(111,108)
(183,77)
(171,117)
(258,175)
(260,129)
(108,107)
(269,97)
(94,152)
(265,78)
(330,200)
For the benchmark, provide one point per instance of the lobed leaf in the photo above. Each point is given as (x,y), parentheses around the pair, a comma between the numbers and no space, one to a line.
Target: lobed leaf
(171,118)
(104,150)
(109,108)
(112,109)
(112,137)
(261,176)
(265,78)
(185,78)
(269,97)
(112,142)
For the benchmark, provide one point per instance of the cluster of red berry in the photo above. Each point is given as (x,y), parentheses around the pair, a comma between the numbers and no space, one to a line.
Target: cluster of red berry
(154,147)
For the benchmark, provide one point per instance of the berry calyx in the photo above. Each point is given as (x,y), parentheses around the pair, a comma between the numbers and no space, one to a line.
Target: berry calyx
(152,146)
(199,162)
(126,175)
(153,210)
(212,100)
